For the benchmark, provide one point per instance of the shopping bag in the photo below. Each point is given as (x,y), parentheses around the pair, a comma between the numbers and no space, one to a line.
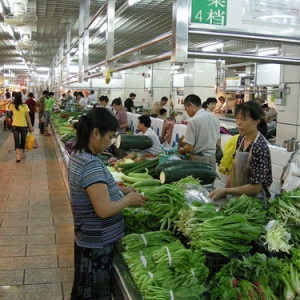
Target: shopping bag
(35,144)
(29,143)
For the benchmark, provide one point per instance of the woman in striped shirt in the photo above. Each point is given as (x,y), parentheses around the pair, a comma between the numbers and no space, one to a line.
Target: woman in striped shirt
(96,202)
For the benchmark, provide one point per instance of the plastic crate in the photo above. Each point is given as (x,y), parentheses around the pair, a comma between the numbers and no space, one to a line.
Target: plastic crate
(261,248)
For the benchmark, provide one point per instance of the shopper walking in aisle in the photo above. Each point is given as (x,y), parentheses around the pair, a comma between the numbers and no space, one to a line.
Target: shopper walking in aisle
(32,107)
(202,132)
(251,172)
(48,108)
(121,114)
(40,105)
(7,94)
(20,124)
(96,202)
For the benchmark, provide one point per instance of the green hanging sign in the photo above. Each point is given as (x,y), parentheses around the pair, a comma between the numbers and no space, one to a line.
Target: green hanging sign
(212,12)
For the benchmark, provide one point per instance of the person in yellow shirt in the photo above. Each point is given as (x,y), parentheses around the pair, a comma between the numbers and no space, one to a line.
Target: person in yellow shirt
(21,121)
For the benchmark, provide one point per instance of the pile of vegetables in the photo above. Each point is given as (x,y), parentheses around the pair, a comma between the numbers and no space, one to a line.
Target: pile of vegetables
(195,214)
(252,209)
(139,167)
(174,170)
(156,213)
(166,270)
(286,207)
(165,202)
(255,277)
(277,237)
(224,235)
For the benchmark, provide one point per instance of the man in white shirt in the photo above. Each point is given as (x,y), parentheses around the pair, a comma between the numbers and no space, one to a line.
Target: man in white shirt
(270,112)
(91,98)
(202,132)
(144,123)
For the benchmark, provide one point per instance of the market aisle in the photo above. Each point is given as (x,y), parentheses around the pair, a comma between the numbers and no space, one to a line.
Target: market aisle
(36,225)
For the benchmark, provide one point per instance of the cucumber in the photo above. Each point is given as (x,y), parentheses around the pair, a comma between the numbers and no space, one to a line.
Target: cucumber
(147,183)
(126,141)
(140,175)
(132,179)
(175,173)
(186,163)
(142,166)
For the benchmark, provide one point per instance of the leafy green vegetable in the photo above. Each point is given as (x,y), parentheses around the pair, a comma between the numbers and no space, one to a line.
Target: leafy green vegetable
(224,235)
(251,208)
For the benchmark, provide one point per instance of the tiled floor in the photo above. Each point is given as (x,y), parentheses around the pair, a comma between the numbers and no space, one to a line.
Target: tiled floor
(36,225)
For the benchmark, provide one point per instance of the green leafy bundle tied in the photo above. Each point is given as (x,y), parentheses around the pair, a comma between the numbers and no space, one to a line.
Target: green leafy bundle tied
(224,235)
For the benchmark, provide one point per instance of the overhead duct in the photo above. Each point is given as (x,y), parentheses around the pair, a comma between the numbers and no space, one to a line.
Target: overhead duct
(19,15)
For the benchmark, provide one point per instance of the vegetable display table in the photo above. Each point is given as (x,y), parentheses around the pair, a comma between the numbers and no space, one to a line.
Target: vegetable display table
(62,156)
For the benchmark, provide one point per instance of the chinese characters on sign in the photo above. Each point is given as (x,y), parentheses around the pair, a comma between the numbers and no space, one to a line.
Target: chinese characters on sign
(212,12)
(273,11)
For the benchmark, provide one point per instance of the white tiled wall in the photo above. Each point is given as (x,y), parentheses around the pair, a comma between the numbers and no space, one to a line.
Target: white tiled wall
(279,159)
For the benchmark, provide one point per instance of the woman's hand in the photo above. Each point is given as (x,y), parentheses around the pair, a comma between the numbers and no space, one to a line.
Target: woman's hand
(127,190)
(217,194)
(136,199)
(31,129)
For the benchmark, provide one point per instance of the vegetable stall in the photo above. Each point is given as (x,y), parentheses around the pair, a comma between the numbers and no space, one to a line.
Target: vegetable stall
(179,249)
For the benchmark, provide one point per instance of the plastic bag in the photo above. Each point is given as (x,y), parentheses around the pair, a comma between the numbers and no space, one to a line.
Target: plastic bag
(227,159)
(29,143)
(36,145)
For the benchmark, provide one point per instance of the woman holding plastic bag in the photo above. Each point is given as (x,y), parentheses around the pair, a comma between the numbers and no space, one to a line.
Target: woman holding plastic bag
(20,124)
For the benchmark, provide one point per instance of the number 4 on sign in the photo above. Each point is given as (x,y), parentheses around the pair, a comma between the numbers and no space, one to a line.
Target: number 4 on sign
(199,16)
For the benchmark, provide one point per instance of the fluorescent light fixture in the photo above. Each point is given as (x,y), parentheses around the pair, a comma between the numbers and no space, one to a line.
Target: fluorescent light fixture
(1,8)
(9,75)
(132,2)
(213,47)
(268,52)
(42,69)
(16,67)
